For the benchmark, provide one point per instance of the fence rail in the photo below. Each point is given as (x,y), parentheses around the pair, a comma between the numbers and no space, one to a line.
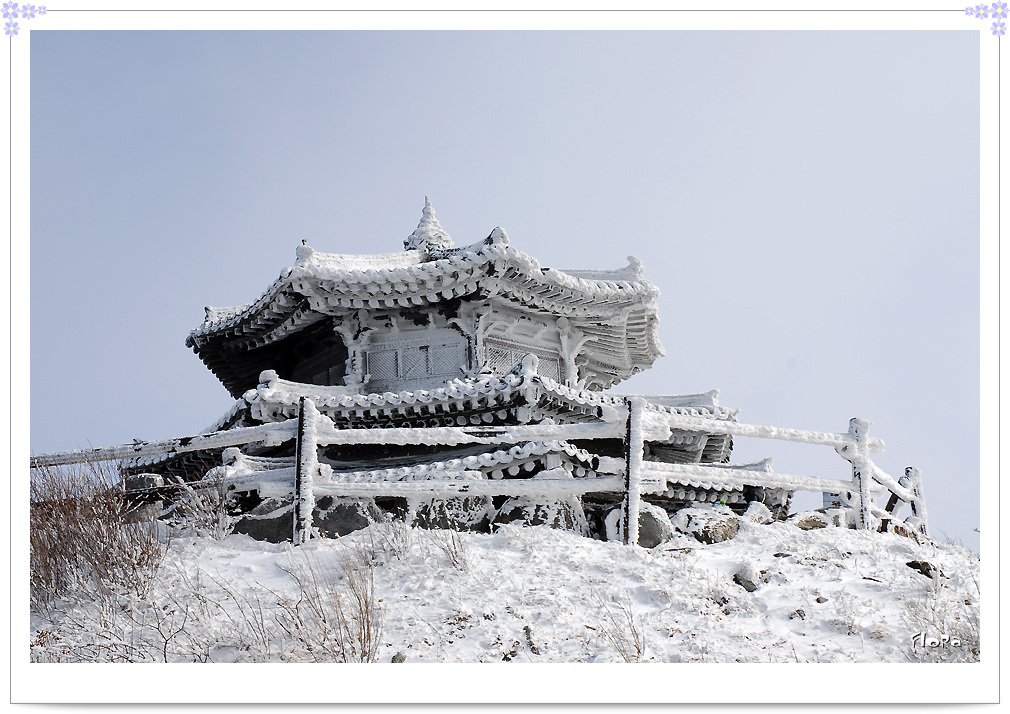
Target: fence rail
(633,476)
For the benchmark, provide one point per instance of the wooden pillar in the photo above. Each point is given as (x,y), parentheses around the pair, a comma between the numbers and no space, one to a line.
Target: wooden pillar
(634,449)
(918,504)
(306,465)
(862,468)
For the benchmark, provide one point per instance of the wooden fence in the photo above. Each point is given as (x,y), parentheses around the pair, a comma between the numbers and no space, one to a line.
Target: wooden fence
(632,476)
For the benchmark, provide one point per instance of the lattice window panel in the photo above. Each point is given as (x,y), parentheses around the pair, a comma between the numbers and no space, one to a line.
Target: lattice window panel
(382,364)
(550,367)
(414,362)
(446,360)
(334,376)
(499,359)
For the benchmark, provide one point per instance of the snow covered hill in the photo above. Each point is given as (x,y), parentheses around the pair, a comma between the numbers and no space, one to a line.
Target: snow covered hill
(772,593)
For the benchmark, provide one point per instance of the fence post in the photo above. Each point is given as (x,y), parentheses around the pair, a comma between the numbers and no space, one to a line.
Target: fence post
(306,465)
(913,477)
(634,452)
(862,468)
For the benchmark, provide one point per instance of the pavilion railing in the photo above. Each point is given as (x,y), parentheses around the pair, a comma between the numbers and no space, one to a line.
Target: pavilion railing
(855,500)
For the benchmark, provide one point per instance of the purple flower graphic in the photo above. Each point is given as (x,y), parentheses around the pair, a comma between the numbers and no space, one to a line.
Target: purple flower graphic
(969,10)
(11,28)
(41,10)
(11,11)
(999,10)
(28,12)
(998,28)
(981,12)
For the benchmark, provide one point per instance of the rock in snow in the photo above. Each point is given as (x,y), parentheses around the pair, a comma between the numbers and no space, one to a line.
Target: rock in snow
(709,525)
(747,578)
(654,526)
(809,520)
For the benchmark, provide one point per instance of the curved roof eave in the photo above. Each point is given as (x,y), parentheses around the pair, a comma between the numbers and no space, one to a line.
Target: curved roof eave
(454,270)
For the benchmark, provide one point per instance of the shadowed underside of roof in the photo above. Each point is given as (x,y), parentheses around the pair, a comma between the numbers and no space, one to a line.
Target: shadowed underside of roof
(615,309)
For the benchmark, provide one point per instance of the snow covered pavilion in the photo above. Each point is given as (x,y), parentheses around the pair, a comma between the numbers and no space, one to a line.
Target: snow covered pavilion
(468,387)
(432,313)
(437,336)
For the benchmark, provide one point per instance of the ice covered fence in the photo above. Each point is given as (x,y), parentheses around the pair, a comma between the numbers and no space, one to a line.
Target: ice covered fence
(636,421)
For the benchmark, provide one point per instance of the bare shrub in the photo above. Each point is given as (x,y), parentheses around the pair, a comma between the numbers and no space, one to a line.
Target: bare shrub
(336,616)
(455,548)
(940,612)
(619,628)
(394,535)
(100,630)
(250,628)
(203,506)
(46,647)
(80,538)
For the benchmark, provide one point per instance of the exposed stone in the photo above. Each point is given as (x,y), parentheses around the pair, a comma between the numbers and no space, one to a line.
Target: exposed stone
(567,515)
(529,640)
(338,517)
(708,525)
(776,500)
(472,513)
(758,512)
(745,582)
(145,512)
(924,567)
(613,526)
(331,518)
(398,657)
(840,517)
(810,521)
(654,526)
(747,577)
(717,531)
(276,529)
(821,599)
(139,482)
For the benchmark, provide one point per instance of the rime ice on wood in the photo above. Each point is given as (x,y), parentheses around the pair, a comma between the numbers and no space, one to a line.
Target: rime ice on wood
(634,446)
(306,465)
(480,377)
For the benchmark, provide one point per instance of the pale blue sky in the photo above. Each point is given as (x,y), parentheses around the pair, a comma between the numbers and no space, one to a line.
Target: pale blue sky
(808,204)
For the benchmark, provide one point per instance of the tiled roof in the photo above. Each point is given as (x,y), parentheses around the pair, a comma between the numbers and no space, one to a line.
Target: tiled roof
(410,278)
(616,309)
(493,463)
(277,399)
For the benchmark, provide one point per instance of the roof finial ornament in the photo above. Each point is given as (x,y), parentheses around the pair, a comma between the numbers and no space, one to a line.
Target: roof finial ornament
(429,233)
(303,252)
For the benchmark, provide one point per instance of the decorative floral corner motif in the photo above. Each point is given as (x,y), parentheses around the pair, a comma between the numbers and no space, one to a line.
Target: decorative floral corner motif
(997,11)
(12,12)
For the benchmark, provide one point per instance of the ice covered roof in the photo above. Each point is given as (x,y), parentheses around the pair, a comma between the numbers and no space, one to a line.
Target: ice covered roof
(615,308)
(462,401)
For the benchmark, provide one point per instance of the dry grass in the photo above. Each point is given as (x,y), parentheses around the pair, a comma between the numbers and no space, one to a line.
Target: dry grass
(394,536)
(81,540)
(619,628)
(939,612)
(203,506)
(453,546)
(336,617)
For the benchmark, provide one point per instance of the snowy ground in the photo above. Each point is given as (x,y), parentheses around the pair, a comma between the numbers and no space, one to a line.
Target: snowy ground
(543,595)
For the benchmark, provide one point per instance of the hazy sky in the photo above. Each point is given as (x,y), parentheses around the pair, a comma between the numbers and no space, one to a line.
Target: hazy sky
(808,204)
